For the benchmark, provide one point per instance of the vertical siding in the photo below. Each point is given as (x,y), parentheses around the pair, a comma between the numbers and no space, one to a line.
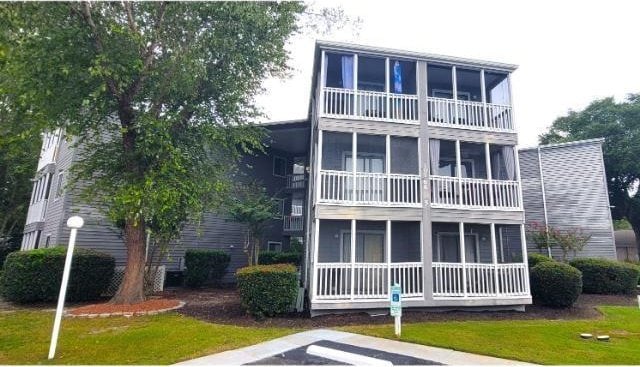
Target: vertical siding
(576,193)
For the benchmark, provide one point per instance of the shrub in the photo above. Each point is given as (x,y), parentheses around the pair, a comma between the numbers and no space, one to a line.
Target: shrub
(606,276)
(555,284)
(273,257)
(204,265)
(267,290)
(535,259)
(6,249)
(36,275)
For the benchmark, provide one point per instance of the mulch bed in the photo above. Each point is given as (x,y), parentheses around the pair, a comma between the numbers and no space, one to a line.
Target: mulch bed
(222,306)
(150,306)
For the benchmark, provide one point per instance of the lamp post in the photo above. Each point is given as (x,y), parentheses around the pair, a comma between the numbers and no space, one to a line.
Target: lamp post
(74,223)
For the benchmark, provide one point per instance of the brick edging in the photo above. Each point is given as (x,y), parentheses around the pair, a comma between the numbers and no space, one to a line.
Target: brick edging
(126,314)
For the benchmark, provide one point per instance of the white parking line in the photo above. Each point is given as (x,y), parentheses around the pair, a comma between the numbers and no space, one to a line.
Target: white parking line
(346,357)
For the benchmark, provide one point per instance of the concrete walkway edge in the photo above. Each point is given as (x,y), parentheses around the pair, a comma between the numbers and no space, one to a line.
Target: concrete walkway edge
(263,350)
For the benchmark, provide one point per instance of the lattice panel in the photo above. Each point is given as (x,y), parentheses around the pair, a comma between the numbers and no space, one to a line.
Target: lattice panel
(118,275)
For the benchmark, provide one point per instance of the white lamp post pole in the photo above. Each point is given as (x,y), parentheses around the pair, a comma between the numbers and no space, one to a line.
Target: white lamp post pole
(74,223)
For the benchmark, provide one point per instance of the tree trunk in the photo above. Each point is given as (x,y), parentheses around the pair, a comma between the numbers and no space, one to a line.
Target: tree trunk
(636,231)
(131,289)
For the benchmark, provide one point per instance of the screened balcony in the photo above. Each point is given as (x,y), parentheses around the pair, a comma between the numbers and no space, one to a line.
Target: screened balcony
(466,98)
(294,222)
(473,175)
(358,260)
(485,262)
(384,173)
(369,88)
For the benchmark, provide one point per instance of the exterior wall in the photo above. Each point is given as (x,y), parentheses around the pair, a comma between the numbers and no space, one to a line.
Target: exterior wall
(575,190)
(213,232)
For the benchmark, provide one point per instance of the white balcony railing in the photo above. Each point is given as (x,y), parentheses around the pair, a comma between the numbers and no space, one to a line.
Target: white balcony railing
(334,281)
(369,105)
(292,223)
(469,114)
(480,280)
(474,193)
(380,189)
(296,210)
(296,181)
(37,212)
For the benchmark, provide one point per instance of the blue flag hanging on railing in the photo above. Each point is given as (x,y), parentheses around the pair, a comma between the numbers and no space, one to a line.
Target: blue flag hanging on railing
(397,77)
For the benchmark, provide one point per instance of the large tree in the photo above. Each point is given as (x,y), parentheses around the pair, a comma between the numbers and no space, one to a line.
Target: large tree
(619,124)
(158,95)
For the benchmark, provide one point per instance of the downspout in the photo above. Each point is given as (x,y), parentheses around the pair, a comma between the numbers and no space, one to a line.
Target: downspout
(544,202)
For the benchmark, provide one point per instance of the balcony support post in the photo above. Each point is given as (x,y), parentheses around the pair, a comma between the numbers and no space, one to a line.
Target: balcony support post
(353,258)
(487,154)
(323,82)
(314,265)
(388,167)
(354,164)
(494,258)
(356,104)
(516,159)
(459,173)
(523,241)
(485,122)
(318,175)
(463,260)
(455,94)
(388,113)
(388,256)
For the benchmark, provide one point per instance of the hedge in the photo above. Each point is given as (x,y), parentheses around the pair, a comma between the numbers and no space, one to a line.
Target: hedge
(274,257)
(535,259)
(267,290)
(555,284)
(6,249)
(602,276)
(204,265)
(35,275)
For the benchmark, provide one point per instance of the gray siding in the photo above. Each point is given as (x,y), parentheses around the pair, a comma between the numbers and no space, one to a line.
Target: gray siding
(575,190)
(213,232)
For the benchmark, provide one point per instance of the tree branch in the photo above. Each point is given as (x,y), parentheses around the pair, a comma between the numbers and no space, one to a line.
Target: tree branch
(147,58)
(97,42)
(132,23)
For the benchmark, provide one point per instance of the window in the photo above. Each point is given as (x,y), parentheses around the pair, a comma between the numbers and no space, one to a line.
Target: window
(279,209)
(60,185)
(369,246)
(274,246)
(279,166)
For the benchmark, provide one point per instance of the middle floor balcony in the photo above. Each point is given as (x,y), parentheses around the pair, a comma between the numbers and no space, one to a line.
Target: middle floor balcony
(385,171)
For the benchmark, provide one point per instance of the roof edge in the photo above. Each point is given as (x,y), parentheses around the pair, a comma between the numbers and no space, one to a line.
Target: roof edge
(338,46)
(567,144)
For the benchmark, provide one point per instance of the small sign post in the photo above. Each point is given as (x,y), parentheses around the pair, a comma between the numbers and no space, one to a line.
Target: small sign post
(74,223)
(396,307)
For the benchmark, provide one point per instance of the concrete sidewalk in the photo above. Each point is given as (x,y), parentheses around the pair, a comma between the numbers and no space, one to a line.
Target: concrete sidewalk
(264,350)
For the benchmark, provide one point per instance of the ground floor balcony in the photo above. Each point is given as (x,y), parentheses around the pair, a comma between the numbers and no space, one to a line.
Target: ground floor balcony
(457,192)
(358,261)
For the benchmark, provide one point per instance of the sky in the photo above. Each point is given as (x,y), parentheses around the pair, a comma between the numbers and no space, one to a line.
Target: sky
(569,53)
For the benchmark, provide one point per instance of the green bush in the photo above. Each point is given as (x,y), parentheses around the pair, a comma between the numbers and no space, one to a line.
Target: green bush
(535,259)
(204,265)
(267,290)
(7,248)
(273,257)
(35,275)
(555,284)
(602,276)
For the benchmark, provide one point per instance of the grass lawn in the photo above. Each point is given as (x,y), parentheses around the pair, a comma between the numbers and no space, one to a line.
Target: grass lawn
(537,341)
(159,339)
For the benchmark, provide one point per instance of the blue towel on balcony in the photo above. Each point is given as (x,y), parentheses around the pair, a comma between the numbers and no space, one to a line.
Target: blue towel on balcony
(397,77)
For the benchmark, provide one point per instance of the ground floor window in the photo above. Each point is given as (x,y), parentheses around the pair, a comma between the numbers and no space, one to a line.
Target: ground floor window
(274,246)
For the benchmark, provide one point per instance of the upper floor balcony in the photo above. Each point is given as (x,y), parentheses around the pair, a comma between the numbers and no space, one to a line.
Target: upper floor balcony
(385,171)
(473,176)
(367,87)
(49,150)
